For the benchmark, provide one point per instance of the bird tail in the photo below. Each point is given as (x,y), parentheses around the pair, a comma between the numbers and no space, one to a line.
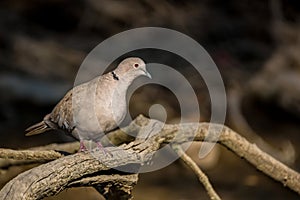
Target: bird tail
(37,129)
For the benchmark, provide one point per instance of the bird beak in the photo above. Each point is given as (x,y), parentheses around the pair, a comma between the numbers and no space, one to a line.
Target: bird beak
(147,74)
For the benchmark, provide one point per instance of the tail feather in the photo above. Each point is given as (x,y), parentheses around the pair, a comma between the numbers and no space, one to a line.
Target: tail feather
(37,129)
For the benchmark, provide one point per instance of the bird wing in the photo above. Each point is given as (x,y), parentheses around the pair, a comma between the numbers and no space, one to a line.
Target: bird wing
(76,108)
(62,114)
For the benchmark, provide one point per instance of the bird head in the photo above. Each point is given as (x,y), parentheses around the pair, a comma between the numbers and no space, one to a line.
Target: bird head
(132,67)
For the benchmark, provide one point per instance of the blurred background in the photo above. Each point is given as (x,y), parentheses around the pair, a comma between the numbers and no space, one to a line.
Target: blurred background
(255,44)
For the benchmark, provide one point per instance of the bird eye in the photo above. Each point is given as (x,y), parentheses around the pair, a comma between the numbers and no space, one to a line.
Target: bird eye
(136,65)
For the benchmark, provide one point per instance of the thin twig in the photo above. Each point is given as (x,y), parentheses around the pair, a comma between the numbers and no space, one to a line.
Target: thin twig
(20,157)
(30,155)
(200,174)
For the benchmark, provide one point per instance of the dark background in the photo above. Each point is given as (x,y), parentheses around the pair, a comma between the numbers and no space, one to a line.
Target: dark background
(255,44)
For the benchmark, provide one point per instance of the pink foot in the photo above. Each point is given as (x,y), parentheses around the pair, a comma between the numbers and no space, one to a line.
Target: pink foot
(82,147)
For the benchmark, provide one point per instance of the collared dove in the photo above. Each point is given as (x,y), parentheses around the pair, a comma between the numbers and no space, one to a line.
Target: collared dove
(91,109)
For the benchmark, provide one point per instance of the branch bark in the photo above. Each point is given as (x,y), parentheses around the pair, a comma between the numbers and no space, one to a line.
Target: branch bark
(53,177)
(34,155)
(200,174)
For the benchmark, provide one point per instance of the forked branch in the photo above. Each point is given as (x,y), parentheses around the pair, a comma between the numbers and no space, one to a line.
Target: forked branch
(53,177)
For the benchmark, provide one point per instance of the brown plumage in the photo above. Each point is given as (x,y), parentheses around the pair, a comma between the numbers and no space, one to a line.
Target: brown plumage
(37,129)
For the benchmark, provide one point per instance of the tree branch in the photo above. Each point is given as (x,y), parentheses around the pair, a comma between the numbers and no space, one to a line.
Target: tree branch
(196,169)
(287,154)
(53,177)
(10,157)
(30,155)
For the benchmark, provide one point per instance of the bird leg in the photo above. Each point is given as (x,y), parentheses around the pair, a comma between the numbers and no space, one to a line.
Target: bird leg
(82,147)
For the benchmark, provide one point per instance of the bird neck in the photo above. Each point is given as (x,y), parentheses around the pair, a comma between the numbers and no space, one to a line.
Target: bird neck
(123,78)
(115,76)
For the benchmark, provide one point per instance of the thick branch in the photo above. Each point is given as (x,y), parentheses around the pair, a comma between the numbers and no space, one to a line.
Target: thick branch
(114,186)
(53,177)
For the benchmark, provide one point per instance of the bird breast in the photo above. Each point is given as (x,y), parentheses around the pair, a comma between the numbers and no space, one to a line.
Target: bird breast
(100,106)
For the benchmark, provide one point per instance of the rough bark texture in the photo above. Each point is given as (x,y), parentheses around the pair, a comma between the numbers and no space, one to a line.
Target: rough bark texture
(83,169)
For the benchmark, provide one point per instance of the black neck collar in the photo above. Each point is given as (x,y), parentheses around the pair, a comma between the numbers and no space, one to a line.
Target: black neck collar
(115,76)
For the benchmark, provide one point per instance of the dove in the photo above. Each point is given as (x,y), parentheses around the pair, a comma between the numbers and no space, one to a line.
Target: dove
(92,109)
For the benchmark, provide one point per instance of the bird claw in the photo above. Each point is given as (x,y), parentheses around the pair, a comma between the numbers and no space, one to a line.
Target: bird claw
(82,148)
